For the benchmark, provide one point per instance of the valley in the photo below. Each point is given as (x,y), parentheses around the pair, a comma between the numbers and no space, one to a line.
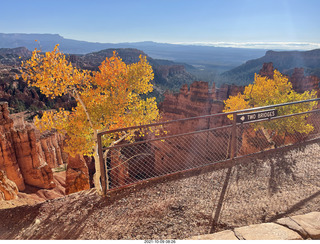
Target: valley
(38,170)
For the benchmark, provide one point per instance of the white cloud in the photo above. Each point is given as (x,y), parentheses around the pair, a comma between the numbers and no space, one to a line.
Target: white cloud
(260,45)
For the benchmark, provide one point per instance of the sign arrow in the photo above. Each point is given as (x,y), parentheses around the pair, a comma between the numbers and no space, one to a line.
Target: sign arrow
(265,114)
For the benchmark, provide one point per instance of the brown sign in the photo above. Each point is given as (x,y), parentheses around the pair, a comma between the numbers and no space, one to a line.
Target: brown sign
(267,114)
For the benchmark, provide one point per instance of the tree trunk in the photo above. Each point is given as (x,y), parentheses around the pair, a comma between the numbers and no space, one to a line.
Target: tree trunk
(97,175)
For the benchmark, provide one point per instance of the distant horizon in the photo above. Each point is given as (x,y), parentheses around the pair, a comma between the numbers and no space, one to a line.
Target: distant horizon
(290,46)
(266,24)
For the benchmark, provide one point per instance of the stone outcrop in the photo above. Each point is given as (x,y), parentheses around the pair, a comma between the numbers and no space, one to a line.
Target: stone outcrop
(35,171)
(310,223)
(8,160)
(169,70)
(267,70)
(27,156)
(50,149)
(196,101)
(226,90)
(77,175)
(300,82)
(8,189)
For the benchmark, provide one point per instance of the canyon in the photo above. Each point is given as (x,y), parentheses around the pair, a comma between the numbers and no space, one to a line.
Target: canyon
(27,157)
(29,160)
(197,100)
(200,99)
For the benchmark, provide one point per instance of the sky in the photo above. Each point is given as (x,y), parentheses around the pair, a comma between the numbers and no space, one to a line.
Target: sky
(240,23)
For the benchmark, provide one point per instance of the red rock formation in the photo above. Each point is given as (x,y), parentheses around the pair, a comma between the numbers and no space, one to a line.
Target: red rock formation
(300,82)
(191,102)
(181,154)
(25,155)
(8,189)
(35,171)
(227,90)
(119,165)
(168,70)
(8,160)
(77,176)
(267,70)
(253,141)
(50,148)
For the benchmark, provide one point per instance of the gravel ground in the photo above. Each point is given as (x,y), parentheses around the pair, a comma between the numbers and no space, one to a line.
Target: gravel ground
(259,190)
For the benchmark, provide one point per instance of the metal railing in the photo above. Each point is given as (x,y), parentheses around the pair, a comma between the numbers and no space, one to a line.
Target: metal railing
(190,143)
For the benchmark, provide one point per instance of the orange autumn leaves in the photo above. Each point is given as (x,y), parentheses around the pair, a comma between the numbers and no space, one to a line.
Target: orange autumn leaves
(109,98)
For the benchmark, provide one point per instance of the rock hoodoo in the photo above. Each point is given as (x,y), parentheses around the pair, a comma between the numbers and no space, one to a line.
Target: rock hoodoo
(77,176)
(8,189)
(300,82)
(26,156)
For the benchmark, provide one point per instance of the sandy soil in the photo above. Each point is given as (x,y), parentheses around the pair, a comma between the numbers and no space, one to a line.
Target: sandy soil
(259,190)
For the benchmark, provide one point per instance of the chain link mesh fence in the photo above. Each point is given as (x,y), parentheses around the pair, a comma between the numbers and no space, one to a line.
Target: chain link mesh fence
(251,189)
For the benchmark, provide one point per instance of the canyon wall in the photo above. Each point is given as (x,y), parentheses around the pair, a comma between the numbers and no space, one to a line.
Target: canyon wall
(26,156)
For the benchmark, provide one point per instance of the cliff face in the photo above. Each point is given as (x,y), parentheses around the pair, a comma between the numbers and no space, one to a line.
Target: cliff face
(226,90)
(8,160)
(196,101)
(77,175)
(8,189)
(26,156)
(300,82)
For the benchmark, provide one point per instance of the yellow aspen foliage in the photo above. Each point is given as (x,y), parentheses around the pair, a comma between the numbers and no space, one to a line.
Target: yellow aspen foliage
(109,98)
(265,91)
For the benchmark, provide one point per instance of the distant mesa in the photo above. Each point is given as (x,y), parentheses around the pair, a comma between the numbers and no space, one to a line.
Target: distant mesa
(285,62)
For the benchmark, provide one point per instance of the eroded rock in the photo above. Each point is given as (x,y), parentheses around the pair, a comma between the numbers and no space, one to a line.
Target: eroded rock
(8,189)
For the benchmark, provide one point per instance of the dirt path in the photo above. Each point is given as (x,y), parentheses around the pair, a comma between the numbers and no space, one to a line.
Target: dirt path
(260,190)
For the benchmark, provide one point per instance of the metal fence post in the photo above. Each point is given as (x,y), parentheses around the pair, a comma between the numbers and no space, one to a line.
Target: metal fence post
(234,137)
(233,152)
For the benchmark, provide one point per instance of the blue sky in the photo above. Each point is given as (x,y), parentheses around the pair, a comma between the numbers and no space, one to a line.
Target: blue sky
(217,22)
